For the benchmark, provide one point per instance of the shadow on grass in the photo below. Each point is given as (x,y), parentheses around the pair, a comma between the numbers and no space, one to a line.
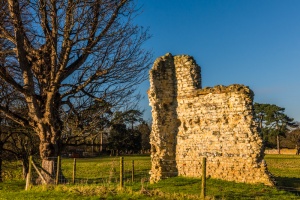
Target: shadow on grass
(288,184)
(219,189)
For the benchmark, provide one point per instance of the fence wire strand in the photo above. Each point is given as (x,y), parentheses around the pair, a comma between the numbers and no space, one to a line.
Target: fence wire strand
(106,171)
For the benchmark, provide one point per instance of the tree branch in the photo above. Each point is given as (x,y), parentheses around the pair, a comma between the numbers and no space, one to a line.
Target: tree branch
(14,117)
(91,43)
(7,77)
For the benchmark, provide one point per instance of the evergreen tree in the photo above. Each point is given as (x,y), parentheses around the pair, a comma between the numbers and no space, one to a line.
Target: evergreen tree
(272,122)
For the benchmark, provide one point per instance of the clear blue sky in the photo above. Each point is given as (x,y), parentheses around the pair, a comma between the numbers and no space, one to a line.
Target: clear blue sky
(250,42)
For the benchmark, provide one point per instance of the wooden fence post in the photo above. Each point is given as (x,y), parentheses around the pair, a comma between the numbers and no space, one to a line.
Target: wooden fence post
(132,172)
(203,187)
(39,173)
(121,172)
(28,177)
(57,170)
(74,170)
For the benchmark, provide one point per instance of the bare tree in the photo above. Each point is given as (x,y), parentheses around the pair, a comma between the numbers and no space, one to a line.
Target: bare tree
(13,137)
(18,142)
(59,54)
(4,136)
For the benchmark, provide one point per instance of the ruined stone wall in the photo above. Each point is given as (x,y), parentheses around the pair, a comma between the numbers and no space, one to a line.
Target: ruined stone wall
(190,122)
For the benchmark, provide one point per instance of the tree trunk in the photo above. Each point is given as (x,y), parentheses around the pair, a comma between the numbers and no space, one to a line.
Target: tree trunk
(1,169)
(49,131)
(297,149)
(49,127)
(25,165)
(1,150)
(278,144)
(101,142)
(49,153)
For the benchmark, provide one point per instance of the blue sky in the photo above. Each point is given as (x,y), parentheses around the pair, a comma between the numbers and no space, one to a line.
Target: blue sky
(250,42)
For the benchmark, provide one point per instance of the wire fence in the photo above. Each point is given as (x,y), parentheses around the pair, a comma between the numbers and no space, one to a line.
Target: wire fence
(89,171)
(118,171)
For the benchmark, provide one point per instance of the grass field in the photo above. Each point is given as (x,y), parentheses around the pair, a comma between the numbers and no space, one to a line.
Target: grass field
(107,169)
(286,170)
(101,174)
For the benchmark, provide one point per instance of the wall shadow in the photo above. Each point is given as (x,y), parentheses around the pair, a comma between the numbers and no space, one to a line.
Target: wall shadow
(288,184)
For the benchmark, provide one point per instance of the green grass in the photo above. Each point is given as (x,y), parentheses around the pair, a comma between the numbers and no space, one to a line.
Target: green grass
(66,192)
(219,189)
(106,169)
(12,170)
(96,171)
(286,171)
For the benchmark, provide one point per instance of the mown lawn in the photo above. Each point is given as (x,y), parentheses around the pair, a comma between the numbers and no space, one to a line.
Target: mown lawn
(98,173)
(286,171)
(106,169)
